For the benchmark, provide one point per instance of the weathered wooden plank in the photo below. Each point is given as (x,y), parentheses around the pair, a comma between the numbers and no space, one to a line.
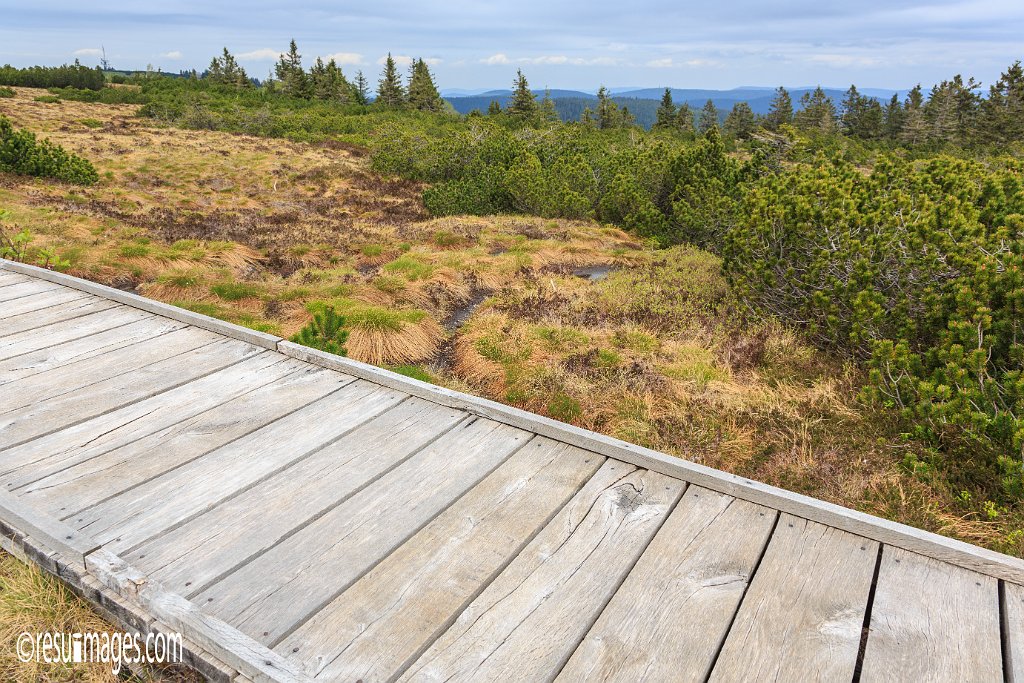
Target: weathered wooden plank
(189,355)
(669,618)
(192,556)
(54,533)
(386,619)
(40,302)
(23,289)
(256,661)
(277,591)
(931,621)
(77,443)
(803,613)
(529,620)
(92,481)
(63,388)
(175,497)
(53,314)
(9,278)
(1013,631)
(892,533)
(78,350)
(261,339)
(58,333)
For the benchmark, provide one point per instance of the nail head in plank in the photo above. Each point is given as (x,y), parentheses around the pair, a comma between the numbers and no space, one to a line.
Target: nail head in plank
(932,621)
(668,620)
(804,610)
(52,532)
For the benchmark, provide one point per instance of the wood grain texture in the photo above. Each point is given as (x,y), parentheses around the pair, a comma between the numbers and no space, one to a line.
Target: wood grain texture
(280,589)
(23,289)
(79,442)
(892,533)
(191,358)
(52,315)
(932,621)
(192,556)
(57,535)
(226,643)
(8,278)
(98,478)
(386,619)
(669,618)
(100,380)
(1013,627)
(802,616)
(58,333)
(529,620)
(138,514)
(62,355)
(39,302)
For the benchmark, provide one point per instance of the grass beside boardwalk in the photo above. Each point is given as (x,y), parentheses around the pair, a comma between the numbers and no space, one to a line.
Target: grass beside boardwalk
(263,232)
(34,602)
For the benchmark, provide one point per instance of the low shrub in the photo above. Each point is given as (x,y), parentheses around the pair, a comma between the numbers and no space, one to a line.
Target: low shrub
(21,153)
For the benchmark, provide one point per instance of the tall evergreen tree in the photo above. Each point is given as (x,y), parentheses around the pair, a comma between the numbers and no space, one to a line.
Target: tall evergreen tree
(523,103)
(423,94)
(708,118)
(361,89)
(390,92)
(915,128)
(684,120)
(817,112)
(665,117)
(741,121)
(861,116)
(494,108)
(780,111)
(1003,111)
(608,115)
(546,111)
(893,118)
(226,71)
(292,79)
(951,110)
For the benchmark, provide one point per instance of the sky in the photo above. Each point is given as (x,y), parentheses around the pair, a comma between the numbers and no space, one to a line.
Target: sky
(576,45)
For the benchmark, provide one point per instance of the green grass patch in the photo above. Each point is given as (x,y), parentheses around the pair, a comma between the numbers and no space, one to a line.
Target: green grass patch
(410,266)
(235,291)
(134,250)
(414,371)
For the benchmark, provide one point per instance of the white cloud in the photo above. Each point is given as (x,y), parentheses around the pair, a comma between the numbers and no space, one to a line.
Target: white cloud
(549,60)
(841,61)
(88,52)
(496,59)
(345,58)
(406,60)
(670,63)
(264,53)
(173,54)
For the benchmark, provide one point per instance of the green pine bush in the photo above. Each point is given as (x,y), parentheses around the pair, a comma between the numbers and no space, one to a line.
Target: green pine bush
(22,154)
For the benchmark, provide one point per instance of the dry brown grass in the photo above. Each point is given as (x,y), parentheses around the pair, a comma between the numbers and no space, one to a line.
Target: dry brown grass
(656,353)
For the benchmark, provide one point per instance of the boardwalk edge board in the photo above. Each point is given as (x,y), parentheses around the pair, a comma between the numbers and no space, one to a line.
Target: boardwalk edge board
(909,538)
(56,534)
(261,339)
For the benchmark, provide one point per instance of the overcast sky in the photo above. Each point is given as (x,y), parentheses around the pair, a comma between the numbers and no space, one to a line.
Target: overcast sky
(880,43)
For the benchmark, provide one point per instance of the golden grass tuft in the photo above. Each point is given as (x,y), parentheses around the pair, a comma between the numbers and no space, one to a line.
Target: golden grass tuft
(413,342)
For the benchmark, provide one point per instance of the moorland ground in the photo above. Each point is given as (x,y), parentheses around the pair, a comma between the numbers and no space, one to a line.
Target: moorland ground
(580,321)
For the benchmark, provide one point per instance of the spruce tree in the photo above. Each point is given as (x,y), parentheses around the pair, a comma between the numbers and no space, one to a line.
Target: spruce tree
(523,103)
(361,89)
(292,78)
(494,108)
(817,112)
(423,94)
(607,110)
(915,128)
(547,112)
(893,118)
(390,92)
(708,118)
(780,111)
(1002,114)
(741,122)
(665,117)
(684,120)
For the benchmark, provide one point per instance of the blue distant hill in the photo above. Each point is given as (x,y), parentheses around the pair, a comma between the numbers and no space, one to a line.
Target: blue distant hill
(643,102)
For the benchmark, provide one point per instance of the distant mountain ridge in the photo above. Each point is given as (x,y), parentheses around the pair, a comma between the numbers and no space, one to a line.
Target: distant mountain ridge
(643,102)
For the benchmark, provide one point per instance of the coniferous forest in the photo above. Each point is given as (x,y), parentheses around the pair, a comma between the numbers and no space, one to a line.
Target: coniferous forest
(890,234)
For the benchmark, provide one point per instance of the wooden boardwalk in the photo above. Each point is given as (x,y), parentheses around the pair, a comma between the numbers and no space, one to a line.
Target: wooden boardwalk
(298,516)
